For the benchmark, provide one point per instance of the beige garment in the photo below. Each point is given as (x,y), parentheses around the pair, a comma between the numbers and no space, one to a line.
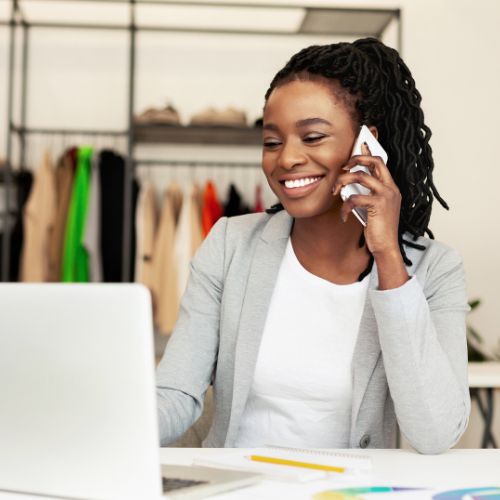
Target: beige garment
(64,176)
(146,221)
(188,238)
(39,221)
(195,220)
(164,276)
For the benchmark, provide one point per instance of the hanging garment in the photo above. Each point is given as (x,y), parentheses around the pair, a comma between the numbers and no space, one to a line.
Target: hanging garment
(39,219)
(75,263)
(212,210)
(188,237)
(164,275)
(235,204)
(64,175)
(112,177)
(145,224)
(22,182)
(259,203)
(196,228)
(92,235)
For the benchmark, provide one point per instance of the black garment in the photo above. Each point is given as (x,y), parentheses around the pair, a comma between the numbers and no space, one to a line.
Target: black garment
(112,177)
(22,182)
(234,204)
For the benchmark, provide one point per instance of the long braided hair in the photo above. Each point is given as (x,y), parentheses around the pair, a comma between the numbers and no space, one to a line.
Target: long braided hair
(375,79)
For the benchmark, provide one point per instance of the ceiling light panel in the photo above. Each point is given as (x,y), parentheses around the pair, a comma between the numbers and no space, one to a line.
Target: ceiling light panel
(345,22)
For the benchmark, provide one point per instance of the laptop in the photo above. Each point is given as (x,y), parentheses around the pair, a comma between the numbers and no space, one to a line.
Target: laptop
(78,414)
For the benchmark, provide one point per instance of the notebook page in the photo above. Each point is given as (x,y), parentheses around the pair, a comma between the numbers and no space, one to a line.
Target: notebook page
(240,460)
(352,461)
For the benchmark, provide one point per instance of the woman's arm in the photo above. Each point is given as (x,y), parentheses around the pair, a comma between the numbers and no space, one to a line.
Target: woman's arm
(422,336)
(186,368)
(423,342)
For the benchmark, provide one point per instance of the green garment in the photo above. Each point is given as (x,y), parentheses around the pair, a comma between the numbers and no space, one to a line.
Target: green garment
(75,265)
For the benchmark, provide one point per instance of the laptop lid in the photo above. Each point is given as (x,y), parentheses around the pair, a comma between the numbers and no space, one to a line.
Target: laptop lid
(78,413)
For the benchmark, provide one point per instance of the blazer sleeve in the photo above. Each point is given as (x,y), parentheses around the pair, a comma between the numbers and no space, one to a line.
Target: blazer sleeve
(424,349)
(185,371)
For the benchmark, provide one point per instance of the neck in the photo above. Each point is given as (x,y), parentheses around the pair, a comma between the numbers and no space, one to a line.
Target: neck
(326,236)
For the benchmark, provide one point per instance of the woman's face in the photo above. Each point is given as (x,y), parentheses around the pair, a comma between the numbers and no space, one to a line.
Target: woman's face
(308,136)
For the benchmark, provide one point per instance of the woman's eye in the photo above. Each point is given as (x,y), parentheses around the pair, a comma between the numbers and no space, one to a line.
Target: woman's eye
(312,138)
(269,144)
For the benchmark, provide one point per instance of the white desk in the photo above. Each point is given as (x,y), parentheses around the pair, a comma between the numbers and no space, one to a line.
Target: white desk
(485,377)
(454,469)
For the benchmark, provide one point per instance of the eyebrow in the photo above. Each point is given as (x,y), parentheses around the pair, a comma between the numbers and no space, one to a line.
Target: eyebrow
(299,124)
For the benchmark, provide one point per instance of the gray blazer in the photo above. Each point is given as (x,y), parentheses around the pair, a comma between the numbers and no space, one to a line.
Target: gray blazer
(409,365)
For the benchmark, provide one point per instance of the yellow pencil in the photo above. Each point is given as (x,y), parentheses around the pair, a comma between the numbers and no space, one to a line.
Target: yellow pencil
(294,463)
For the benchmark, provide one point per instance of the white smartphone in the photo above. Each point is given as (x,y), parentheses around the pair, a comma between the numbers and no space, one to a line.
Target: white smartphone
(376,150)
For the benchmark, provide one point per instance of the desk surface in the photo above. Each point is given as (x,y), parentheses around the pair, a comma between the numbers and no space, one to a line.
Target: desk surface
(454,469)
(484,374)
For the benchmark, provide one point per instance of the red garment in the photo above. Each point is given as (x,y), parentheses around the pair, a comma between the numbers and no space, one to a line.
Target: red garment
(212,209)
(259,204)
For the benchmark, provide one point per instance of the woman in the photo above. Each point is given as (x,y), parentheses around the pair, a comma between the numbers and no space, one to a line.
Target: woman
(315,330)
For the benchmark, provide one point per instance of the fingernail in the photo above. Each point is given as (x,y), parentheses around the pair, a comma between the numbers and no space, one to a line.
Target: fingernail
(346,168)
(343,217)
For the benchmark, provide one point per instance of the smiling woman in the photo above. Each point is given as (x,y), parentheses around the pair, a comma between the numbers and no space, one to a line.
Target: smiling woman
(317,331)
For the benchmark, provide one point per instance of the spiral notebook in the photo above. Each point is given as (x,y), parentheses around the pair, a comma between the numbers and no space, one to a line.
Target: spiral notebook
(240,459)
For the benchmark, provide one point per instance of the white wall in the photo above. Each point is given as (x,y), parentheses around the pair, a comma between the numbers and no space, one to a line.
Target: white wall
(453,51)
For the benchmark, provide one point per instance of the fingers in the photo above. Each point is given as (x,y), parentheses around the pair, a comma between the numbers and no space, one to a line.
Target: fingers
(365,149)
(374,203)
(375,164)
(358,200)
(358,177)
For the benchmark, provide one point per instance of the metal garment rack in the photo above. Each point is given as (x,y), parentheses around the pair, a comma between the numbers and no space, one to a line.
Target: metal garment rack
(19,21)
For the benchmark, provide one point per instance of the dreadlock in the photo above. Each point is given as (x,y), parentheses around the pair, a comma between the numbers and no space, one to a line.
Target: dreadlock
(374,78)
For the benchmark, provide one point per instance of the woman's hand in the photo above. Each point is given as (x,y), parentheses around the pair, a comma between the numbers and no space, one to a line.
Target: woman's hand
(383,204)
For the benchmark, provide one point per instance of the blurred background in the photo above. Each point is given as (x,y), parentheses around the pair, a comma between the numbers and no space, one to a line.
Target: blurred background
(172,92)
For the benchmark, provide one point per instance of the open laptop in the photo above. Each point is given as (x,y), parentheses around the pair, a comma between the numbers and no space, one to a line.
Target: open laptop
(78,416)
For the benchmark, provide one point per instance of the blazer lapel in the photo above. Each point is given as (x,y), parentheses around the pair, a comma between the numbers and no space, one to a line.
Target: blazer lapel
(366,351)
(263,274)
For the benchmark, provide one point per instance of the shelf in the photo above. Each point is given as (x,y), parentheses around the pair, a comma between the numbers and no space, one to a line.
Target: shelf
(178,134)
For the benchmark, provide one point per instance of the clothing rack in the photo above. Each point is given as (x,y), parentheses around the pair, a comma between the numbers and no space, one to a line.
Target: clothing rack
(344,22)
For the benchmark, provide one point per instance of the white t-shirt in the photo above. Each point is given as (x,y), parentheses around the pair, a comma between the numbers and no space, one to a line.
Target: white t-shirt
(302,388)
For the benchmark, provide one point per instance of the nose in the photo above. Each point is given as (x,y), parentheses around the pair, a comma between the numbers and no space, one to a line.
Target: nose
(291,155)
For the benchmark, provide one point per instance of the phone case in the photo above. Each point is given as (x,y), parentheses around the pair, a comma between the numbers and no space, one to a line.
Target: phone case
(376,150)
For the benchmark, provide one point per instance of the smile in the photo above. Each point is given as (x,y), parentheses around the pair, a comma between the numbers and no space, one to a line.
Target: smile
(296,188)
(297,183)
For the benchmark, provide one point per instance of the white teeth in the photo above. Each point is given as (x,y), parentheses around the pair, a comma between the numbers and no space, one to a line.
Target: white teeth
(301,182)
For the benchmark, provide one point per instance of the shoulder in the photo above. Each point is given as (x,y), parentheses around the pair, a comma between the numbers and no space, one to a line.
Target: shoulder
(435,257)
(239,235)
(244,228)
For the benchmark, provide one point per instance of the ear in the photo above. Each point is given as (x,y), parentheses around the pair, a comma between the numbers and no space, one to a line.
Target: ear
(373,130)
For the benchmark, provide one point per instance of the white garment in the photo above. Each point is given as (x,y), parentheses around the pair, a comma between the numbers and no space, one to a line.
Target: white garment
(302,388)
